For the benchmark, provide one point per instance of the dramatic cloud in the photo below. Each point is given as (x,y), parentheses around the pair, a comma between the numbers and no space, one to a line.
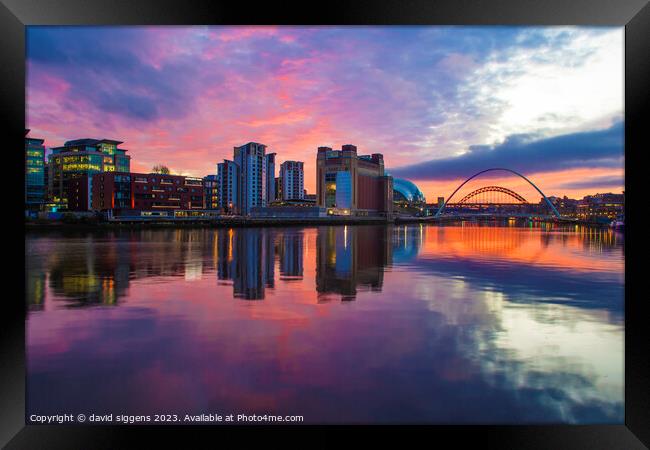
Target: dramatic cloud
(525,154)
(609,181)
(106,74)
(184,96)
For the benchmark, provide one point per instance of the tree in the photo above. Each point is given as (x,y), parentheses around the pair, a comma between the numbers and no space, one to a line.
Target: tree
(159,168)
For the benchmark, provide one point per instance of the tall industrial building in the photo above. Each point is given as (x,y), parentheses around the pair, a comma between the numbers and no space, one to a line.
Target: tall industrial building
(82,158)
(35,188)
(228,175)
(348,184)
(292,180)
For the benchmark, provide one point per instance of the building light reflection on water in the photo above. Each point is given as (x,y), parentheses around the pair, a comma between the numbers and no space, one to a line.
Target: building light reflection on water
(511,308)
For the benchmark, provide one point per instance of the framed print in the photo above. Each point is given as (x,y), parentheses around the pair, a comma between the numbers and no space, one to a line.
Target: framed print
(397,217)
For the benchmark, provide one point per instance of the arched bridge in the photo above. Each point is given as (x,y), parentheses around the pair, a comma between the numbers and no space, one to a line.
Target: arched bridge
(492,195)
(495,189)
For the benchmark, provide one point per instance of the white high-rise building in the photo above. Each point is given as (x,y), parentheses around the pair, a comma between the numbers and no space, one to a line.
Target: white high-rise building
(228,179)
(292,180)
(251,159)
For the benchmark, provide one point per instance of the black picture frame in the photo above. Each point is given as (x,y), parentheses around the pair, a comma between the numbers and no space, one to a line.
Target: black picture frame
(16,14)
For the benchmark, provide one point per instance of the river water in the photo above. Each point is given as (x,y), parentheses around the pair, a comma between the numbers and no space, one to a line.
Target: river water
(465,323)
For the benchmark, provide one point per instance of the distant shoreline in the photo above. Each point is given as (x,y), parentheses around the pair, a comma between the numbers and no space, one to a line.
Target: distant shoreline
(212,223)
(240,222)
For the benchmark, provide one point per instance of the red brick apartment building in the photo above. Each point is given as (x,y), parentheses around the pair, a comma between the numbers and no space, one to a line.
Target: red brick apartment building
(141,191)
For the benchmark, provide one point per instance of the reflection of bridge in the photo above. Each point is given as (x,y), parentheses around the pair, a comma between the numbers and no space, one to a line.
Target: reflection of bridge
(493,197)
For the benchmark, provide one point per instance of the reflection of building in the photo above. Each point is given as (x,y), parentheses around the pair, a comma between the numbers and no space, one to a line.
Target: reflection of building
(34,173)
(226,257)
(407,242)
(83,157)
(85,274)
(92,275)
(35,289)
(349,258)
(247,257)
(348,184)
(140,191)
(292,180)
(291,255)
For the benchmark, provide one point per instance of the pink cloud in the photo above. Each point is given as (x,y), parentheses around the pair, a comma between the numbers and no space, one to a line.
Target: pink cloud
(208,89)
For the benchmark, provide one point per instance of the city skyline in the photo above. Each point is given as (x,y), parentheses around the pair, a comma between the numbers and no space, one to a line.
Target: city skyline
(437,102)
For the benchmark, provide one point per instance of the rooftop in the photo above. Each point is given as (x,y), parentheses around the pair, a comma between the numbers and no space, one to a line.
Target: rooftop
(90,141)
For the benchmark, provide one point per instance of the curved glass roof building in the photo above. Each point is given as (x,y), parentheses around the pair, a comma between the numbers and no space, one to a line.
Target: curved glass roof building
(406,191)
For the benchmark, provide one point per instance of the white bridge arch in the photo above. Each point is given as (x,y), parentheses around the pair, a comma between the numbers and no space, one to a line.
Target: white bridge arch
(548,202)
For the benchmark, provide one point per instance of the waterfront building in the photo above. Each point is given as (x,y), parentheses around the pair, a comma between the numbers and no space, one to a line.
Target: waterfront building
(406,193)
(81,157)
(348,184)
(140,191)
(248,181)
(79,193)
(251,159)
(567,207)
(270,178)
(35,187)
(603,207)
(278,188)
(228,176)
(211,192)
(292,180)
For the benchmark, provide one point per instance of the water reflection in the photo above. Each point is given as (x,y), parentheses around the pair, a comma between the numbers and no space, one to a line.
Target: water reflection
(351,258)
(470,323)
(291,252)
(246,257)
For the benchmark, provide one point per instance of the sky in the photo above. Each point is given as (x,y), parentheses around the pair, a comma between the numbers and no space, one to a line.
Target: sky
(439,102)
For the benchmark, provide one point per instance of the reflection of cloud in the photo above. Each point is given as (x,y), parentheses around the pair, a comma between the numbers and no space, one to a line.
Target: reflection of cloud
(452,339)
(531,283)
(563,357)
(545,351)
